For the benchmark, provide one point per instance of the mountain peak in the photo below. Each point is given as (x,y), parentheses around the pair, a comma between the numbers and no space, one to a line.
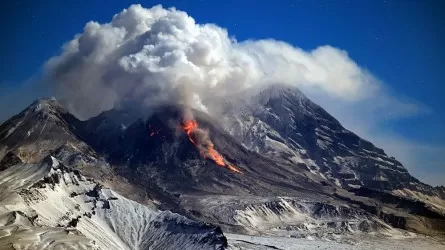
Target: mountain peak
(44,124)
(46,105)
(265,93)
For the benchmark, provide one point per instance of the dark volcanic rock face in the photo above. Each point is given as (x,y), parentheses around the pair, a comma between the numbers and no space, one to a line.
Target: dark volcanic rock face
(9,160)
(157,153)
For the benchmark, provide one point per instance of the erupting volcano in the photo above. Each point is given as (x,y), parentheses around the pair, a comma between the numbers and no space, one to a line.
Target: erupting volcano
(205,146)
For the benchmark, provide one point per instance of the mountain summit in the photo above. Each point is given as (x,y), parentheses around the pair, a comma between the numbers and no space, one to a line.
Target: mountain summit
(282,121)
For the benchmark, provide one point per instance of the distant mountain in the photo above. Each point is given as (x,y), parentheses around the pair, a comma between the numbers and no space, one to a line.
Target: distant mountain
(37,130)
(272,162)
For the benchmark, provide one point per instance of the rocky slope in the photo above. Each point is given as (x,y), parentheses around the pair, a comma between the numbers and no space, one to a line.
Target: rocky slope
(36,131)
(282,121)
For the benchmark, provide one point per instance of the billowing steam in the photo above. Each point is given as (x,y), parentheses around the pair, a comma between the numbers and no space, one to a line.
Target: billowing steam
(157,56)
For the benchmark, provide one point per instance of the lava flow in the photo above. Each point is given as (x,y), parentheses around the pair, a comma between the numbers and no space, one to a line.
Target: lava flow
(206,148)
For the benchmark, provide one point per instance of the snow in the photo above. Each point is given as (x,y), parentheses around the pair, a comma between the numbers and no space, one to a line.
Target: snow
(433,201)
(391,168)
(38,107)
(323,136)
(293,217)
(245,242)
(354,186)
(11,130)
(23,237)
(264,216)
(277,146)
(380,178)
(337,182)
(68,208)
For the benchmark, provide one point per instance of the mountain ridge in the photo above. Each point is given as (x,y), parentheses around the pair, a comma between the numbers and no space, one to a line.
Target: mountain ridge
(305,117)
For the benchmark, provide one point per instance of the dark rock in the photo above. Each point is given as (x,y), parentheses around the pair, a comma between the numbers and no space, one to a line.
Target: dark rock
(106,204)
(9,160)
(95,192)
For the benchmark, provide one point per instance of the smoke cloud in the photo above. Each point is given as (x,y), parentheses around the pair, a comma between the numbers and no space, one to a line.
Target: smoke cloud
(156,56)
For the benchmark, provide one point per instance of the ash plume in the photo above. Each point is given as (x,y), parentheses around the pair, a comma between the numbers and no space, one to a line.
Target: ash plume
(162,56)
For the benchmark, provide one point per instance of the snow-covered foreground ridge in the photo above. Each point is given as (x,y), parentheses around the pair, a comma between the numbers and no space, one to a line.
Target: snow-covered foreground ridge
(50,206)
(294,217)
(245,242)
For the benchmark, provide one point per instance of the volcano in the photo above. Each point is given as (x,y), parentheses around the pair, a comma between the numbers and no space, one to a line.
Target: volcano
(272,163)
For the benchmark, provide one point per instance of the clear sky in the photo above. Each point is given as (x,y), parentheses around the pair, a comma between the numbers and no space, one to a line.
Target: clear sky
(399,42)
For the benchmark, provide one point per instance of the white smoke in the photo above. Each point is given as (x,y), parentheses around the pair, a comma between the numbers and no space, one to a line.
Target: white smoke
(158,55)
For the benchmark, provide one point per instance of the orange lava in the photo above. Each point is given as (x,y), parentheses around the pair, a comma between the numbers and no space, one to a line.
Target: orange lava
(189,126)
(206,150)
(233,168)
(216,156)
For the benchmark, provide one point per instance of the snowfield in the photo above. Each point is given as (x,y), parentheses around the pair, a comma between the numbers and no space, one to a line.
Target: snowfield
(244,242)
(49,206)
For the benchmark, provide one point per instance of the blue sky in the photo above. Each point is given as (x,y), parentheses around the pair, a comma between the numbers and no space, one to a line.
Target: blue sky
(399,42)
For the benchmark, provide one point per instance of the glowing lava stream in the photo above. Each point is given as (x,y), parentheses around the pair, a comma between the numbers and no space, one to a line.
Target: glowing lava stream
(205,146)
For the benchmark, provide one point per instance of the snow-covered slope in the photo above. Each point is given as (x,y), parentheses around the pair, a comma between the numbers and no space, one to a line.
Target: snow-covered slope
(282,122)
(245,242)
(290,217)
(48,201)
